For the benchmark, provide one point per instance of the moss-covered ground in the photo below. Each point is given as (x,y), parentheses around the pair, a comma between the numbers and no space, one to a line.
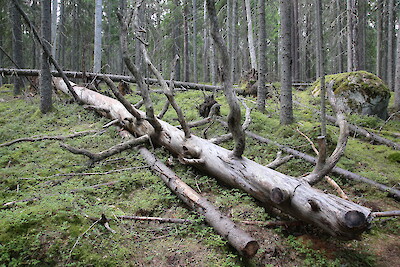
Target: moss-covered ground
(53,227)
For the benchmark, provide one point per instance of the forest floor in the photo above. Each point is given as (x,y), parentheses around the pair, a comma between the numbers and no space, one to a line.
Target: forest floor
(51,223)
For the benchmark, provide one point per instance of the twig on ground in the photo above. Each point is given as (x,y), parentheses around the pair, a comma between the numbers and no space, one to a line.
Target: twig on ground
(8,204)
(388,119)
(41,138)
(392,213)
(339,190)
(113,122)
(77,240)
(157,219)
(309,140)
(279,160)
(70,175)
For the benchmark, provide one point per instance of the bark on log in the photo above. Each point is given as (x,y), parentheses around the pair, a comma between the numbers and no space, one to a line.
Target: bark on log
(239,239)
(336,216)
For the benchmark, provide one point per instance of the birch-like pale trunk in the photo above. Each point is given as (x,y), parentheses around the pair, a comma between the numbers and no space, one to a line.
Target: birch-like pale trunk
(252,47)
(97,36)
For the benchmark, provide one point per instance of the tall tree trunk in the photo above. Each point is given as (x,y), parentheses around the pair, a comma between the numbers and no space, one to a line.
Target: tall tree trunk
(54,7)
(109,67)
(139,60)
(252,48)
(17,45)
(60,37)
(261,90)
(320,64)
(379,9)
(45,75)
(177,46)
(245,54)
(97,36)
(286,111)
(295,40)
(213,62)
(352,33)
(384,46)
(234,41)
(206,46)
(390,44)
(1,53)
(397,77)
(362,24)
(339,38)
(194,45)
(186,62)
(76,38)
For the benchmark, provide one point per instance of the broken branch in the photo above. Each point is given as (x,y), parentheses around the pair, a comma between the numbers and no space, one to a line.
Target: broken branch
(279,161)
(57,137)
(95,157)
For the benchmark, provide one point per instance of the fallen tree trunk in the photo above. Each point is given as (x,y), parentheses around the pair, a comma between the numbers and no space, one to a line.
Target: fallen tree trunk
(336,216)
(118,78)
(392,191)
(359,130)
(113,77)
(239,239)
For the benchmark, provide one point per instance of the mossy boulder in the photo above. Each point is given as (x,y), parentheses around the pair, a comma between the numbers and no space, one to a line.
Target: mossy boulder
(364,92)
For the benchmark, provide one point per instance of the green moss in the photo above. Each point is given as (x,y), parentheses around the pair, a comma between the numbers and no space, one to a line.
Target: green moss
(363,81)
(395,157)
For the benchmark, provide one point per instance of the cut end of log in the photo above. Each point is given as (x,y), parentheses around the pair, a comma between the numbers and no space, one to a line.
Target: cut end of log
(250,249)
(355,219)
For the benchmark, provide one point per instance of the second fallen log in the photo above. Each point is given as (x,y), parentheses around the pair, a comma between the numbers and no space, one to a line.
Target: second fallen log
(239,239)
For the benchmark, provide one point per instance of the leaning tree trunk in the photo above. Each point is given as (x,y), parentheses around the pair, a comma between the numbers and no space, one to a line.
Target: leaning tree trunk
(336,216)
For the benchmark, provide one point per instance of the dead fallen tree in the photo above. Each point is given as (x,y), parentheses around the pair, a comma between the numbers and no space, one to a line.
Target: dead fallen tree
(359,130)
(239,239)
(347,174)
(296,197)
(119,78)
(113,77)
(336,216)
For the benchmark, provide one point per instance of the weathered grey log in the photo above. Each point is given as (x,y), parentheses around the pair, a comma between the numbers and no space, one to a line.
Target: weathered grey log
(347,174)
(118,78)
(239,239)
(113,77)
(336,216)
(359,130)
